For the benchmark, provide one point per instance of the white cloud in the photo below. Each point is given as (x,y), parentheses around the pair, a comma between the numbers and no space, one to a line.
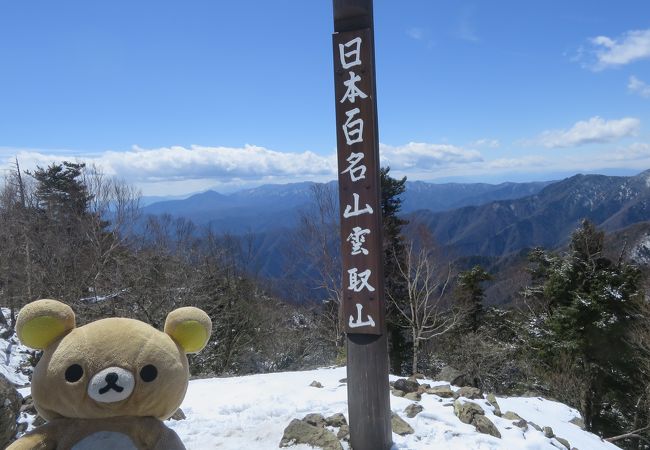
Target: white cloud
(425,157)
(486,142)
(631,46)
(594,130)
(639,87)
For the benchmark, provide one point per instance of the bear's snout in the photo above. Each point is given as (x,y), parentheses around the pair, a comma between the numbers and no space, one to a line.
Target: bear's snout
(111,385)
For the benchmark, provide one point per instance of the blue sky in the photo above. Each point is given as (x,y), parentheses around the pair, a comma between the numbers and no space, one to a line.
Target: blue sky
(178,97)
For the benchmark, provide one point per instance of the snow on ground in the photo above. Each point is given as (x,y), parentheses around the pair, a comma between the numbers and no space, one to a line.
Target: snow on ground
(12,355)
(252,411)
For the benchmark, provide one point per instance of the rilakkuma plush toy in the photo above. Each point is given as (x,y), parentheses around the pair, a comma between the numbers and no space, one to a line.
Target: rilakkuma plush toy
(110,383)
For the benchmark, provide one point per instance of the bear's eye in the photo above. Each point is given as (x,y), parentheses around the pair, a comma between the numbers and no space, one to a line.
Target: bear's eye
(74,373)
(148,373)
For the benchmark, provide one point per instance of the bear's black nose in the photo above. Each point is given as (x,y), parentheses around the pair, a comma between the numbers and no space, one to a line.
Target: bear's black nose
(111,383)
(111,378)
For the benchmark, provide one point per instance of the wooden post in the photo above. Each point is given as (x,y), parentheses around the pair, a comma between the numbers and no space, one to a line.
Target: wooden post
(361,225)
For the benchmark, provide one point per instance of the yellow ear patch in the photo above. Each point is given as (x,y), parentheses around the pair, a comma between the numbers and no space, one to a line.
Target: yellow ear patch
(191,336)
(42,322)
(41,331)
(189,327)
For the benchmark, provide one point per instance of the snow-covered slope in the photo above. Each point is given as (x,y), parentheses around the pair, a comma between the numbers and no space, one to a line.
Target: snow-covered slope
(13,356)
(251,412)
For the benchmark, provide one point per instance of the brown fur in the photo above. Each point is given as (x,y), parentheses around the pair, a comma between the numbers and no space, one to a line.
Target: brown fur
(127,344)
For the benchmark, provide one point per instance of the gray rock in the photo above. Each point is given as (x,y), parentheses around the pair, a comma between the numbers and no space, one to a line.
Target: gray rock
(316,420)
(344,433)
(535,426)
(443,391)
(343,380)
(400,426)
(178,415)
(413,410)
(316,384)
(10,402)
(521,424)
(299,432)
(397,393)
(406,386)
(492,399)
(413,396)
(470,392)
(450,374)
(510,415)
(563,442)
(337,420)
(485,426)
(417,376)
(578,421)
(548,432)
(466,411)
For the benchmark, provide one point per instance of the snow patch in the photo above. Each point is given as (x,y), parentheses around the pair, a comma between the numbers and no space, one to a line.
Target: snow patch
(13,356)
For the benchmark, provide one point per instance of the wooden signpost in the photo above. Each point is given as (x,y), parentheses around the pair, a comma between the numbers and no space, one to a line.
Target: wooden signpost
(361,225)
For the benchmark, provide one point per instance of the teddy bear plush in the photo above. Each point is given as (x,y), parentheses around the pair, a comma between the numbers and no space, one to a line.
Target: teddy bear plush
(108,384)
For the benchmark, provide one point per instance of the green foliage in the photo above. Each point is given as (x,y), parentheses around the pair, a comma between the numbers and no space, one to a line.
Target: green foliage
(585,307)
(394,252)
(470,294)
(61,191)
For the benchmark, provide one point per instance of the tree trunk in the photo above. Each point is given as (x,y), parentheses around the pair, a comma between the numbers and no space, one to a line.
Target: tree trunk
(416,351)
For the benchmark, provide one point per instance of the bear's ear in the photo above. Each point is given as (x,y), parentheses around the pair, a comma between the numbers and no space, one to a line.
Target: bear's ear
(41,322)
(189,327)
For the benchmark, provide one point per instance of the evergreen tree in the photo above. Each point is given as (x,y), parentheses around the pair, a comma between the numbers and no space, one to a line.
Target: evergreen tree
(61,192)
(588,305)
(470,294)
(394,252)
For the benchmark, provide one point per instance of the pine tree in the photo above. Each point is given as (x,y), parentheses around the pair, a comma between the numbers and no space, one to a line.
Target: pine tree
(470,294)
(588,305)
(394,253)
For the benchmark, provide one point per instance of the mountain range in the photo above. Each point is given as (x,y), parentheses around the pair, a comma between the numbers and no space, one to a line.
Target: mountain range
(493,225)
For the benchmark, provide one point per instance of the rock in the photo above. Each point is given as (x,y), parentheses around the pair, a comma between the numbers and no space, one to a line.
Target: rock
(400,426)
(28,406)
(316,420)
(535,426)
(454,376)
(316,384)
(178,415)
(466,411)
(492,399)
(413,396)
(578,421)
(397,393)
(406,386)
(548,432)
(470,392)
(521,424)
(413,410)
(10,403)
(443,391)
(423,388)
(564,442)
(344,433)
(38,421)
(485,426)
(510,415)
(418,376)
(299,432)
(337,420)
(343,380)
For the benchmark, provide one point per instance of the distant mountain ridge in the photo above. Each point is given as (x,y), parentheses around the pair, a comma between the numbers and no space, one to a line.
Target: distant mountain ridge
(270,207)
(546,218)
